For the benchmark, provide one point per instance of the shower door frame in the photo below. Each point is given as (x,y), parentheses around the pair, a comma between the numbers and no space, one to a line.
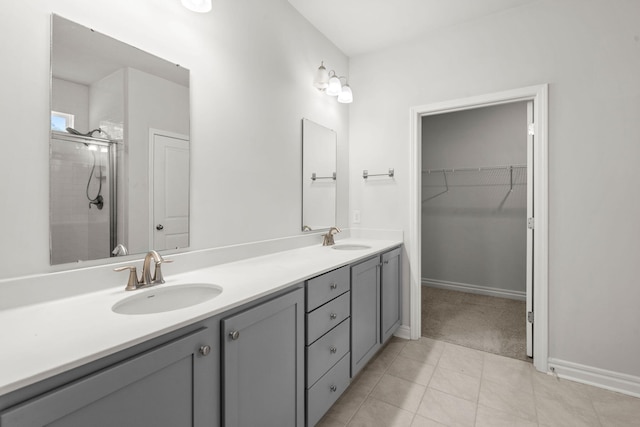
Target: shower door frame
(112,171)
(539,96)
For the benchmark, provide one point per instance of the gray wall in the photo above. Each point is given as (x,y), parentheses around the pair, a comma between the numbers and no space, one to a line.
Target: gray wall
(588,52)
(475,234)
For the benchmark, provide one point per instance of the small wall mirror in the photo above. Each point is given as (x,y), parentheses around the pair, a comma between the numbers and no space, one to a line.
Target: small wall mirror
(119,148)
(319,178)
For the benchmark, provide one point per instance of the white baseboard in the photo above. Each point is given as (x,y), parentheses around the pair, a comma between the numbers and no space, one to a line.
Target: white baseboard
(610,380)
(403,332)
(475,289)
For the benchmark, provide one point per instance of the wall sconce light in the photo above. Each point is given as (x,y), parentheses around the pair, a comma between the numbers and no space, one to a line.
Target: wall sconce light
(200,6)
(330,83)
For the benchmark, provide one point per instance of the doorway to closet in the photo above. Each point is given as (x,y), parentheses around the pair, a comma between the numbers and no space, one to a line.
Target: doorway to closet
(475,260)
(537,223)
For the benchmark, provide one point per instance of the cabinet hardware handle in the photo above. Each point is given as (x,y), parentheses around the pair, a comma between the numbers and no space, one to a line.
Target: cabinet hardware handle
(332,349)
(159,227)
(333,316)
(334,286)
(234,335)
(205,350)
(333,388)
(386,262)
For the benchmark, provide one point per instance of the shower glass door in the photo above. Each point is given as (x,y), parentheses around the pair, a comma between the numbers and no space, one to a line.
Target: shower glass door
(82,198)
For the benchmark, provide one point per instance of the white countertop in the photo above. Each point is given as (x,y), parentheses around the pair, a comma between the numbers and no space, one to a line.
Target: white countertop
(45,339)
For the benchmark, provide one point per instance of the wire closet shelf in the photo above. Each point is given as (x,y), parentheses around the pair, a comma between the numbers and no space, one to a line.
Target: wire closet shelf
(510,175)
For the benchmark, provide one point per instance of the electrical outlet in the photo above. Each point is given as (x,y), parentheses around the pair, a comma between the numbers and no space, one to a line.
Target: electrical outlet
(356,217)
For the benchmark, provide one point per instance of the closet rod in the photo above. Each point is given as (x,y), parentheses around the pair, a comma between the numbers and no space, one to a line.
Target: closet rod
(478,169)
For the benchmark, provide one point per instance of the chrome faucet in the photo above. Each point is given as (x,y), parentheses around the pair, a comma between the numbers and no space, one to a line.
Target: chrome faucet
(327,239)
(147,278)
(120,250)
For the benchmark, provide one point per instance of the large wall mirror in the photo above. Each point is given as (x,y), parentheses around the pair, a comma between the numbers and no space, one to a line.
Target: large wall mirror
(319,178)
(119,148)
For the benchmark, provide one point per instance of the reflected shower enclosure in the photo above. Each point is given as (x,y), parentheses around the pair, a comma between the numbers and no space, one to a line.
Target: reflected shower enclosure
(118,146)
(83,197)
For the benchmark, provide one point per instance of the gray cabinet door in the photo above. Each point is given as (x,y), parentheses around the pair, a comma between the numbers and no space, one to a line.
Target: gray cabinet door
(263,364)
(171,385)
(390,293)
(365,312)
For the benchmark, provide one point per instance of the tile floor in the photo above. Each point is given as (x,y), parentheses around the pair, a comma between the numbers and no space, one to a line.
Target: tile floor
(429,383)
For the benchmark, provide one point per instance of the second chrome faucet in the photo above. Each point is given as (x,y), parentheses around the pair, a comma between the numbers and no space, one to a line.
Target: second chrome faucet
(147,279)
(327,239)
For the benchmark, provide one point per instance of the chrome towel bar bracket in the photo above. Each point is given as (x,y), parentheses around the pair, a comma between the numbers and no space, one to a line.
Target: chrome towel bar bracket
(366,174)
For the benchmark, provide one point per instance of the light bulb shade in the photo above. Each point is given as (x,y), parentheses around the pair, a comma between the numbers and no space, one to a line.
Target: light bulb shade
(321,81)
(200,6)
(335,87)
(346,96)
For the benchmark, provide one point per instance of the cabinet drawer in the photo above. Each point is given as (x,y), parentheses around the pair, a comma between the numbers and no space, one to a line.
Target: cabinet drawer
(326,317)
(325,352)
(326,287)
(327,390)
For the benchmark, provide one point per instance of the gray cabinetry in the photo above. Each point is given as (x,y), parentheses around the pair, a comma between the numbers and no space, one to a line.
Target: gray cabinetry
(390,293)
(170,385)
(263,364)
(365,312)
(328,341)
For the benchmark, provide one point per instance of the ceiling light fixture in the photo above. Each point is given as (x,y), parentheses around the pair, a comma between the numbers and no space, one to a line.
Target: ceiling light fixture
(200,6)
(329,82)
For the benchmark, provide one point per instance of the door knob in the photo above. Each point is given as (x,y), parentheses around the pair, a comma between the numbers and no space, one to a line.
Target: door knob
(159,227)
(332,316)
(234,335)
(205,350)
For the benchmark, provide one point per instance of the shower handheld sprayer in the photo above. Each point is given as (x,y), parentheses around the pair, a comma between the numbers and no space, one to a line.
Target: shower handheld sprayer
(98,200)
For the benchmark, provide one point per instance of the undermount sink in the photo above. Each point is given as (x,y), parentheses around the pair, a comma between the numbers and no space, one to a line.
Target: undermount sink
(350,247)
(161,299)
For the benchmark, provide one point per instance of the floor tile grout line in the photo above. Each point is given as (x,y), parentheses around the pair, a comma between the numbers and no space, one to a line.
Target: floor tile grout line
(376,383)
(475,418)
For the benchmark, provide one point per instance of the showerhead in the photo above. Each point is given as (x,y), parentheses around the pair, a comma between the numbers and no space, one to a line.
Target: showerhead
(89,134)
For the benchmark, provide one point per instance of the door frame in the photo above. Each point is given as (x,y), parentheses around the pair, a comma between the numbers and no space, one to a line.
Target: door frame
(539,95)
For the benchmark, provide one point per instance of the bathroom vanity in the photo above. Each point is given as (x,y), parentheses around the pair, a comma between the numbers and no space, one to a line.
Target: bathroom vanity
(277,347)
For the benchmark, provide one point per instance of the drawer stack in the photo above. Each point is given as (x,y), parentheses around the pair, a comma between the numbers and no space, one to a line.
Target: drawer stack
(327,340)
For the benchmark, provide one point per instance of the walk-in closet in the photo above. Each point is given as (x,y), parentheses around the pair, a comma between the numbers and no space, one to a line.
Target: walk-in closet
(474,228)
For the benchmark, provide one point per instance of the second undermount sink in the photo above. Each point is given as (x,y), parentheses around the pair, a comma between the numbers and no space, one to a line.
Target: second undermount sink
(161,299)
(350,247)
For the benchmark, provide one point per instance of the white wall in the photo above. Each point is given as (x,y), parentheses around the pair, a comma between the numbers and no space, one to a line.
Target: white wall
(589,52)
(72,98)
(476,232)
(152,103)
(106,106)
(252,64)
